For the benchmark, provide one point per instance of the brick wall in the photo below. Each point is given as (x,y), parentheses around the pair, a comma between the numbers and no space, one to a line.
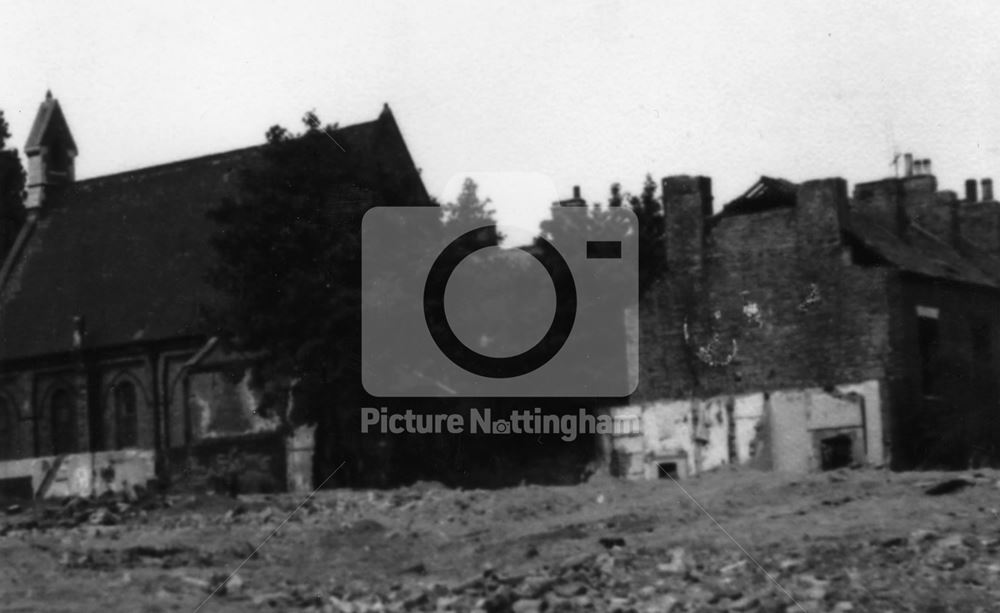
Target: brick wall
(770,301)
(980,223)
(958,423)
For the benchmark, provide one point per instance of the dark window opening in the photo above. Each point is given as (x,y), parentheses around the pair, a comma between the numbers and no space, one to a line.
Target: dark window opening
(982,344)
(8,425)
(861,254)
(667,470)
(126,420)
(58,159)
(929,342)
(16,488)
(63,411)
(836,452)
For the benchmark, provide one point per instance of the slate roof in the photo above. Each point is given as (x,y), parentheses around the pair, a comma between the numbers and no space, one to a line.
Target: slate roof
(920,253)
(129,251)
(925,254)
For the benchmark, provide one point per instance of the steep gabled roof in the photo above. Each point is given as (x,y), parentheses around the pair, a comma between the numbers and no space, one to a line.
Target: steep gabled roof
(50,125)
(128,252)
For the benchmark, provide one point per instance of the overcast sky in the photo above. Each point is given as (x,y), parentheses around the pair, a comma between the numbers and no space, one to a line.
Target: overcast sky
(580,93)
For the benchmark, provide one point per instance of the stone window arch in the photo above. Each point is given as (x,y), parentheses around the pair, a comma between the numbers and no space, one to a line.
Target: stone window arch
(125,409)
(62,409)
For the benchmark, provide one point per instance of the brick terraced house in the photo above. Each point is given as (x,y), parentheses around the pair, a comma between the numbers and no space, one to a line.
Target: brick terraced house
(799,329)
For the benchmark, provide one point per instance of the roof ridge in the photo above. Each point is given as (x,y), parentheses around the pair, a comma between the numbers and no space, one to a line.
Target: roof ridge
(164,166)
(199,158)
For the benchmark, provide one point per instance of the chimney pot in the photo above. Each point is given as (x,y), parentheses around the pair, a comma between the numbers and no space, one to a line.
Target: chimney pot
(987,190)
(908,164)
(970,190)
(927,167)
(576,192)
(918,167)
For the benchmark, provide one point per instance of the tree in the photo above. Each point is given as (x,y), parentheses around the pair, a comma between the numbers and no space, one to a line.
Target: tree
(649,213)
(288,267)
(12,181)
(288,260)
(652,248)
(468,209)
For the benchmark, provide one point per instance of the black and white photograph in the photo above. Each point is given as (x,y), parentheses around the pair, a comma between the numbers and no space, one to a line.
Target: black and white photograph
(499,307)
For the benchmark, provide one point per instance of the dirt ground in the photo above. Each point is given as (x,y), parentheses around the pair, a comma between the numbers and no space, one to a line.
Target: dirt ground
(845,541)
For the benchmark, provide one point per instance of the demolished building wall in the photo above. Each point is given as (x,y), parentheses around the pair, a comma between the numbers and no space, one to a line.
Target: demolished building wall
(756,318)
(796,430)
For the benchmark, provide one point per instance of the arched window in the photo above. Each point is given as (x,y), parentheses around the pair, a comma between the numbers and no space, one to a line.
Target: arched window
(63,410)
(8,430)
(126,420)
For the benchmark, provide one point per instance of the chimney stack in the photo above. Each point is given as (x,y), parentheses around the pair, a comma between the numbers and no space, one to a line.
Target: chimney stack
(908,164)
(687,205)
(970,190)
(987,190)
(576,200)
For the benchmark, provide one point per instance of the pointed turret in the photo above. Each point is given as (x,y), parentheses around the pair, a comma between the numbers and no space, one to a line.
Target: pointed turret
(51,152)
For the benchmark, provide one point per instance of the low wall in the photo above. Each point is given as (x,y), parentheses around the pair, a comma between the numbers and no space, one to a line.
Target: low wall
(83,474)
(795,430)
(251,463)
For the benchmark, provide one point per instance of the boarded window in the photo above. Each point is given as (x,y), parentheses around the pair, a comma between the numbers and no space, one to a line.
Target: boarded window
(63,411)
(929,341)
(126,418)
(8,430)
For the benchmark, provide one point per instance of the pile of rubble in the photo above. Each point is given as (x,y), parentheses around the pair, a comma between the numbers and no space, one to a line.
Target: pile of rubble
(616,580)
(818,577)
(108,509)
(824,544)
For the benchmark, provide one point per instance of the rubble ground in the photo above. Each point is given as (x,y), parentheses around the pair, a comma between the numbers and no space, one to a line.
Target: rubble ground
(865,540)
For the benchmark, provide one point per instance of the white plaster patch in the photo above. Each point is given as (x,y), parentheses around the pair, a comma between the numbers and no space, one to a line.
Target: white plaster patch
(85,474)
(700,430)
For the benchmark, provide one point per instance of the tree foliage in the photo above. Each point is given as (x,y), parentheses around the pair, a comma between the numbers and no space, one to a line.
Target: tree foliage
(468,207)
(12,182)
(648,210)
(287,259)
